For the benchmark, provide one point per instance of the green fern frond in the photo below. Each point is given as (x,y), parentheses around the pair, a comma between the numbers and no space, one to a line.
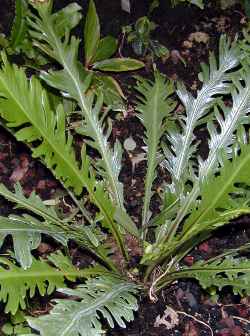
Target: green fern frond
(234,272)
(222,141)
(24,104)
(217,193)
(16,284)
(51,225)
(73,81)
(106,297)
(229,120)
(154,107)
(216,81)
(222,200)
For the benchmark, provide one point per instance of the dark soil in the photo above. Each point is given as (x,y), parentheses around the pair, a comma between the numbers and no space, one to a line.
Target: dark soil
(230,315)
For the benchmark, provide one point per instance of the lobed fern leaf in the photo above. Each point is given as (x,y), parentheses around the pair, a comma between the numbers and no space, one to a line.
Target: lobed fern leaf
(16,284)
(52,225)
(234,272)
(24,104)
(223,134)
(73,81)
(223,199)
(111,298)
(229,120)
(216,81)
(217,193)
(154,106)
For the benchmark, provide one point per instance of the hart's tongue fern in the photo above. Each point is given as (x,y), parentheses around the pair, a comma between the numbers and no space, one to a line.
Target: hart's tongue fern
(202,195)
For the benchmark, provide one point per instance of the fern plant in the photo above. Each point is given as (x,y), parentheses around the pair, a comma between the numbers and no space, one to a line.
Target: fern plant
(203,195)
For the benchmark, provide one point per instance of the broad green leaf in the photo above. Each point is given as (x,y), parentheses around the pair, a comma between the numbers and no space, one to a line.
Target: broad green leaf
(113,95)
(118,65)
(67,18)
(106,48)
(103,297)
(91,33)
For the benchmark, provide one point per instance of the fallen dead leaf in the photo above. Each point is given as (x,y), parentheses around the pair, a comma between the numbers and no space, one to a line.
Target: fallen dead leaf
(169,319)
(199,37)
(20,171)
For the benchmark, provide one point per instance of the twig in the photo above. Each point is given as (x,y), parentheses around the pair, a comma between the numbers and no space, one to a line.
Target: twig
(241,319)
(151,292)
(197,320)
(121,45)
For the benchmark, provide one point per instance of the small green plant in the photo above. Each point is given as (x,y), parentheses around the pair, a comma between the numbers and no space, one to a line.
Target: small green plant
(140,38)
(98,57)
(204,194)
(19,41)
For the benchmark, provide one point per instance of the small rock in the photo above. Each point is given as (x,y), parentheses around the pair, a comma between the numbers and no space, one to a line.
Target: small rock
(199,37)
(187,44)
(129,144)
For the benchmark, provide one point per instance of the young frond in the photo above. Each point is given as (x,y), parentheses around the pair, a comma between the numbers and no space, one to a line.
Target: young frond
(154,107)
